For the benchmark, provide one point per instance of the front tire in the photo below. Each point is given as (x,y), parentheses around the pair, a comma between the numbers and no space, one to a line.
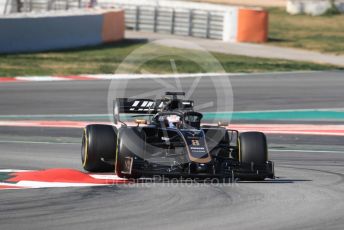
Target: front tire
(99,143)
(253,151)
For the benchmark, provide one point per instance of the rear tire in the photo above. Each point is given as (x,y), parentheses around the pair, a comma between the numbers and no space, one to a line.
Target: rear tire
(253,150)
(99,143)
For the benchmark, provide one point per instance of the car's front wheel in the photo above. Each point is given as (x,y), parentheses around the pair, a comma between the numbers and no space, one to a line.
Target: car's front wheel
(99,143)
(253,151)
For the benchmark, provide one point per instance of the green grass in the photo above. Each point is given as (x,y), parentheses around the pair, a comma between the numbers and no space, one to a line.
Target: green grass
(107,58)
(319,33)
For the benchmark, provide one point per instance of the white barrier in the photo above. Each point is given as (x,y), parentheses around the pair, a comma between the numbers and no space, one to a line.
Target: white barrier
(312,7)
(166,3)
(185,22)
(234,24)
(2,6)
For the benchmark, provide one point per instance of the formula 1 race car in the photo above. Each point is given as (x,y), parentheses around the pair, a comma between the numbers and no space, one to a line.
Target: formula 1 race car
(172,143)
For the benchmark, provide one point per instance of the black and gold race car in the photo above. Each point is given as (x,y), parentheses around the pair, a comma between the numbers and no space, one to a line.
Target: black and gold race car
(172,142)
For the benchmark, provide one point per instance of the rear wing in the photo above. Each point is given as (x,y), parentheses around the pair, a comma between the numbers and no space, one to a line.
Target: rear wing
(147,106)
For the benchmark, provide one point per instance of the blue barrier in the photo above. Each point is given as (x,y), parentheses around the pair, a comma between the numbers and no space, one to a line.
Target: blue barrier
(30,34)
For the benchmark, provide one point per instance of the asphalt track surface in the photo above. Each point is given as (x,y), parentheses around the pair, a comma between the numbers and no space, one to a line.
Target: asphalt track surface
(308,193)
(251,92)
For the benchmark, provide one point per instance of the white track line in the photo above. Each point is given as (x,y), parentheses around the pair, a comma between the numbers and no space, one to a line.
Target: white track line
(42,78)
(107,177)
(10,186)
(43,184)
(14,170)
(52,115)
(305,151)
(37,142)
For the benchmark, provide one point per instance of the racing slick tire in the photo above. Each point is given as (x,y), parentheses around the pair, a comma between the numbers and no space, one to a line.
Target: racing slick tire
(130,148)
(253,150)
(99,143)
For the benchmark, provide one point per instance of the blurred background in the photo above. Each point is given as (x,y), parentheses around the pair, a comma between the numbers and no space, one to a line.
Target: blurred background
(245,35)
